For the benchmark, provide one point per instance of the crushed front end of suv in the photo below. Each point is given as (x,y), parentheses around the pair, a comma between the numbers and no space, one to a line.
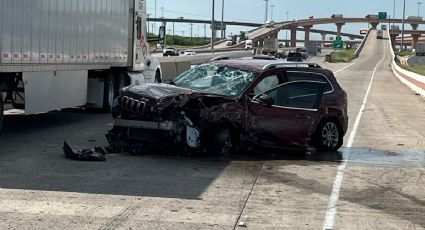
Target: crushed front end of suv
(231,105)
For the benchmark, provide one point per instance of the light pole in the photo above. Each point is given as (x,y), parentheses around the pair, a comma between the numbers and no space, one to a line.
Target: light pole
(148,22)
(162,12)
(212,25)
(266,16)
(287,19)
(222,19)
(393,14)
(419,7)
(155,9)
(402,25)
(271,12)
(191,31)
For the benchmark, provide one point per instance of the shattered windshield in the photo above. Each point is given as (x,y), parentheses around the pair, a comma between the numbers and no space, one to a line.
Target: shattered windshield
(217,79)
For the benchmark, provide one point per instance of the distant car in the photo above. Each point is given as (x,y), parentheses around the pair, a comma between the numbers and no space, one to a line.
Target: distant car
(379,34)
(337,16)
(296,57)
(281,53)
(248,45)
(170,51)
(233,105)
(303,51)
(190,52)
(269,24)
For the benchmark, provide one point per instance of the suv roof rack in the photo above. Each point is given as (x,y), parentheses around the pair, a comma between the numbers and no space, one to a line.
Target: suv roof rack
(292,64)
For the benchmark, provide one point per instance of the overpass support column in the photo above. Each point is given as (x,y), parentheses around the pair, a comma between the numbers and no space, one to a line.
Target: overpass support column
(339,28)
(393,38)
(374,25)
(415,38)
(307,29)
(293,29)
(323,39)
(414,26)
(274,35)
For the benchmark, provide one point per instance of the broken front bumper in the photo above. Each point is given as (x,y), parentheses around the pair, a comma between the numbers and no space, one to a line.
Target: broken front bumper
(132,124)
(133,132)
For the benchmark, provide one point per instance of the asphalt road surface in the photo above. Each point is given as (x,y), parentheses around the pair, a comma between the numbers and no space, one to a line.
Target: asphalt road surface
(376,182)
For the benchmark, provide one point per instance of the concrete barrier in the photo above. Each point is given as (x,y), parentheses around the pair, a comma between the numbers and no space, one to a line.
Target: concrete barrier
(182,66)
(169,70)
(414,81)
(360,48)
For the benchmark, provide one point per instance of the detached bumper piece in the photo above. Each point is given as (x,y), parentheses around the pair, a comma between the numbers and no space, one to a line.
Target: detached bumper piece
(96,154)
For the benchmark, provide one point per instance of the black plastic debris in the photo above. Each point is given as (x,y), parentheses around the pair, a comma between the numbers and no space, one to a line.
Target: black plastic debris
(96,154)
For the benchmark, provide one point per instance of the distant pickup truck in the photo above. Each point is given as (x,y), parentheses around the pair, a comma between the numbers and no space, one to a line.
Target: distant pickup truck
(170,51)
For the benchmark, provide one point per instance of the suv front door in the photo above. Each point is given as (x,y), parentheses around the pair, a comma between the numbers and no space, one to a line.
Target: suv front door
(286,114)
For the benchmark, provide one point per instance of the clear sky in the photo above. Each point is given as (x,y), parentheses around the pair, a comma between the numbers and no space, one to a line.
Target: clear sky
(254,11)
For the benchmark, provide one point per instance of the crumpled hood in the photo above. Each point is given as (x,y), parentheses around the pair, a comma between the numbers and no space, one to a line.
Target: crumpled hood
(154,90)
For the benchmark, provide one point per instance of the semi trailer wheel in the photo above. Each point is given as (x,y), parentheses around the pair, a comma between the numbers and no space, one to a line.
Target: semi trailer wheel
(108,92)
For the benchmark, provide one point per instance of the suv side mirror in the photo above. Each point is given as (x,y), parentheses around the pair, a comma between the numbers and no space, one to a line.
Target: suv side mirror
(265,100)
(161,35)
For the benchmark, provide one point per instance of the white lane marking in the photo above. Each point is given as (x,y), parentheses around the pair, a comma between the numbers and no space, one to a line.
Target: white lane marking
(336,188)
(345,67)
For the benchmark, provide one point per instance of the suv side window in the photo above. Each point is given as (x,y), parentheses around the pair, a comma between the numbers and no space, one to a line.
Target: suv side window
(266,84)
(307,76)
(300,95)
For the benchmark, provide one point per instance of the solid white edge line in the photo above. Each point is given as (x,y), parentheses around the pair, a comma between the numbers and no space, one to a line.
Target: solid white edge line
(345,68)
(336,188)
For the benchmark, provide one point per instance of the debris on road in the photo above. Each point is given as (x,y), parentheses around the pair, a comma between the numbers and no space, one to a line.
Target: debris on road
(242,224)
(96,154)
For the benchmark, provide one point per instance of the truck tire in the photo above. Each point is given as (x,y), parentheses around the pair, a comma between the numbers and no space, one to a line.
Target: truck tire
(108,92)
(122,81)
(1,111)
(158,76)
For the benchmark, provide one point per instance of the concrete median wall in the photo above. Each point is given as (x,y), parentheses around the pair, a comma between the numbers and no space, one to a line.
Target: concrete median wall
(170,70)
(414,81)
(360,48)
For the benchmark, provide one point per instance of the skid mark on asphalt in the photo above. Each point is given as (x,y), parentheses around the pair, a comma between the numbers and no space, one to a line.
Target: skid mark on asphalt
(119,219)
(336,188)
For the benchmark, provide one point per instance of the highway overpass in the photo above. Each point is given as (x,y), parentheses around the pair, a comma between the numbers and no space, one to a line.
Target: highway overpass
(247,24)
(258,35)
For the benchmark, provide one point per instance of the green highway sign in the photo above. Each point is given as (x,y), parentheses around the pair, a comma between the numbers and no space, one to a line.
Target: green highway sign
(338,44)
(338,38)
(382,15)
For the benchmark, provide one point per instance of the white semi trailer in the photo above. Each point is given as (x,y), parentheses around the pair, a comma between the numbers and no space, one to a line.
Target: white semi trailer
(58,54)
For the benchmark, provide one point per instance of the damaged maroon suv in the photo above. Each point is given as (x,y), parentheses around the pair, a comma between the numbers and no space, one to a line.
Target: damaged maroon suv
(230,105)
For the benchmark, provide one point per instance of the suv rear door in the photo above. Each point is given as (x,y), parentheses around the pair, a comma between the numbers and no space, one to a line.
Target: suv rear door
(289,117)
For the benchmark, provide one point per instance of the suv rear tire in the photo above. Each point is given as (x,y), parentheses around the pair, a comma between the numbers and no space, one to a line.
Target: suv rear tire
(328,136)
